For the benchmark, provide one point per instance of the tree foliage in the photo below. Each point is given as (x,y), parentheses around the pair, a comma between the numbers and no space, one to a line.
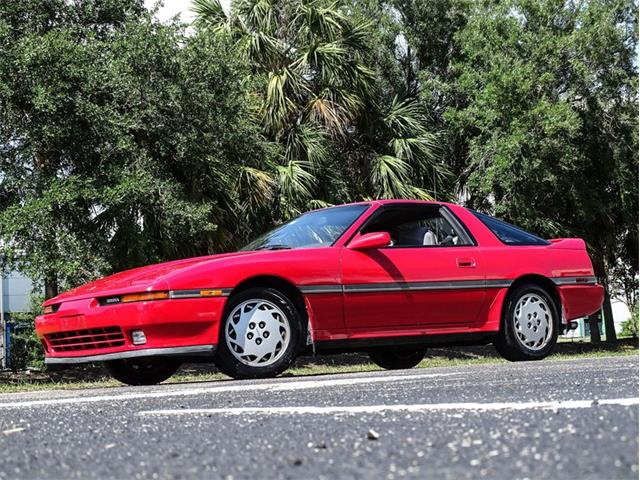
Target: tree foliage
(125,141)
(550,120)
(121,140)
(631,326)
(322,102)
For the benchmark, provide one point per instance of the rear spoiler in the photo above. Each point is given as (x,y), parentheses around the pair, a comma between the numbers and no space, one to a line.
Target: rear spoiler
(568,243)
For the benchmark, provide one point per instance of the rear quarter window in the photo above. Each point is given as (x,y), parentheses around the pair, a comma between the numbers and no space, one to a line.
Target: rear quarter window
(507,233)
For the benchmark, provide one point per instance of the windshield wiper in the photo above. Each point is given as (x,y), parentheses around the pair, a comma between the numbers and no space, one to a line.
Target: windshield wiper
(274,247)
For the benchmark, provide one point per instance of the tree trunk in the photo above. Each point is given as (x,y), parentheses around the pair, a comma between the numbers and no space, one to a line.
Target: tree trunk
(50,287)
(599,266)
(607,312)
(594,329)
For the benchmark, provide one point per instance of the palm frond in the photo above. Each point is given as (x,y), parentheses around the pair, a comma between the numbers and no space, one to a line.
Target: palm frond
(419,193)
(363,78)
(264,48)
(308,144)
(326,112)
(321,55)
(256,186)
(335,108)
(321,21)
(349,100)
(209,13)
(390,177)
(295,182)
(405,117)
(277,105)
(257,14)
(357,36)
(316,204)
(423,149)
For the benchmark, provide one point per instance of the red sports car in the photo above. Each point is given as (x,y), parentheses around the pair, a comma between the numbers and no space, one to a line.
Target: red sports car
(390,278)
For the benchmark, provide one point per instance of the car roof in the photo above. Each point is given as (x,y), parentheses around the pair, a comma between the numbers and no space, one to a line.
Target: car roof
(392,201)
(427,202)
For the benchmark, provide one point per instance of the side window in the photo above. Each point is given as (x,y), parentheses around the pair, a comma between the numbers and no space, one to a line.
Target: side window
(507,233)
(418,226)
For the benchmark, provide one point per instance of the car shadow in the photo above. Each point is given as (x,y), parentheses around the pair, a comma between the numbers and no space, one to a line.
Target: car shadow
(348,363)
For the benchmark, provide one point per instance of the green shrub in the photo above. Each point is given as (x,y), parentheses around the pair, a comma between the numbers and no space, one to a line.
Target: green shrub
(26,349)
(630,327)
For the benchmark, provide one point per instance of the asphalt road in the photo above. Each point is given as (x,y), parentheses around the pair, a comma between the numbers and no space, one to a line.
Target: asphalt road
(553,419)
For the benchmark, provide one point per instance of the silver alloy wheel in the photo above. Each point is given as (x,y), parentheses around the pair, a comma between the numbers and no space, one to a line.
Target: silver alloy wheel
(257,332)
(533,321)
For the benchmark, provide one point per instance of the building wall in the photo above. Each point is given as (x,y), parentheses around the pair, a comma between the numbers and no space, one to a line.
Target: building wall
(620,314)
(16,293)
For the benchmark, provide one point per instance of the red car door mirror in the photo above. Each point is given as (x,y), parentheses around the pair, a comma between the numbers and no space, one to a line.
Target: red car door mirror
(371,240)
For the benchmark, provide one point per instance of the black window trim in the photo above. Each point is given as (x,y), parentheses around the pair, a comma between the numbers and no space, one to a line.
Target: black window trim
(366,209)
(543,243)
(454,220)
(458,223)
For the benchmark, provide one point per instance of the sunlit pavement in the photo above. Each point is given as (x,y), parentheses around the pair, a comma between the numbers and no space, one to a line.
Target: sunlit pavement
(552,419)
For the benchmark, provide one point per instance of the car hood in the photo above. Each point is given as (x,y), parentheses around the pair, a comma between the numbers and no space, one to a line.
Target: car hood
(152,277)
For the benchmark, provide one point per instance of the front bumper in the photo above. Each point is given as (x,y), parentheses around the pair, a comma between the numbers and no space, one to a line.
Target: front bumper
(193,351)
(175,327)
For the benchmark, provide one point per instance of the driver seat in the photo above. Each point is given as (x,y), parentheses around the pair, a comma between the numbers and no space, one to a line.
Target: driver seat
(429,238)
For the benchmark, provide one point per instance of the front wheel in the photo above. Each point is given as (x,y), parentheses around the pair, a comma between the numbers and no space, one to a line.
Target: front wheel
(397,358)
(142,371)
(530,322)
(260,334)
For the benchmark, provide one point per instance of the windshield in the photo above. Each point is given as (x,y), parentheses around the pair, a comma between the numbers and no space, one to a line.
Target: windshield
(320,228)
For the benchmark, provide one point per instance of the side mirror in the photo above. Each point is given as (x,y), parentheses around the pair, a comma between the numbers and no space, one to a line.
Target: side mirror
(370,241)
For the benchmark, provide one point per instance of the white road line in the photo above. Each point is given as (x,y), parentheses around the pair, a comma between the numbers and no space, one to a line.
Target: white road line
(268,387)
(427,407)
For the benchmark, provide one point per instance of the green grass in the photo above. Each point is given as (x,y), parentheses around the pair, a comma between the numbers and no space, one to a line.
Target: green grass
(321,369)
(309,368)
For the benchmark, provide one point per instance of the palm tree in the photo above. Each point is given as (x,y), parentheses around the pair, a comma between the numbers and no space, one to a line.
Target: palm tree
(338,137)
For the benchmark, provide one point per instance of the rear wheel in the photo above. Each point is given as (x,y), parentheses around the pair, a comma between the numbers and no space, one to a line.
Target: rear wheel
(142,371)
(260,335)
(529,325)
(397,358)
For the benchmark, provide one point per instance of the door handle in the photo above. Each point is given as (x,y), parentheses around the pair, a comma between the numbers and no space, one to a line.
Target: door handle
(466,262)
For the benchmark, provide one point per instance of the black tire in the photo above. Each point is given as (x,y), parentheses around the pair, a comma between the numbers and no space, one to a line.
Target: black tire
(397,358)
(230,365)
(508,342)
(142,371)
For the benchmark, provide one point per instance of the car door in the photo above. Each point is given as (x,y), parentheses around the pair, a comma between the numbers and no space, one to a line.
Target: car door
(419,281)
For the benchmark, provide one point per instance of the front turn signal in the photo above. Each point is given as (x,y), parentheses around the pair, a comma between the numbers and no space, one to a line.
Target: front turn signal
(51,309)
(143,297)
(211,293)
